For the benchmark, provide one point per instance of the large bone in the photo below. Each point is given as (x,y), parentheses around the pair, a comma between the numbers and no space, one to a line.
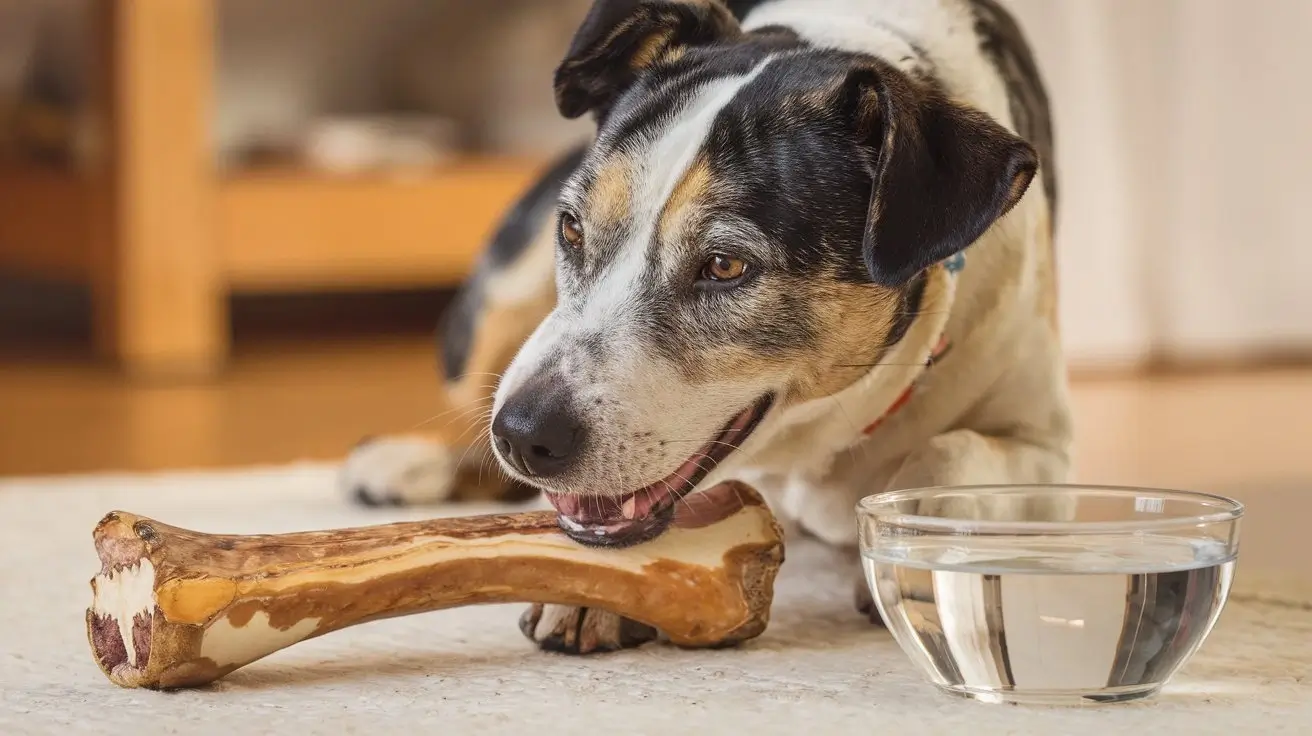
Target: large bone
(176,608)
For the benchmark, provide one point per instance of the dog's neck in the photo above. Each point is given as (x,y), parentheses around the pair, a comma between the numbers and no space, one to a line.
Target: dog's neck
(836,423)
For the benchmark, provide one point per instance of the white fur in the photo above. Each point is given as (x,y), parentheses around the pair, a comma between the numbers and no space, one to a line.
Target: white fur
(650,394)
(407,469)
(821,462)
(803,444)
(993,411)
(943,28)
(665,165)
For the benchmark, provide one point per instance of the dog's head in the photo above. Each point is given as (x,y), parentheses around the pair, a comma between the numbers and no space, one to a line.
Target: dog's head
(744,234)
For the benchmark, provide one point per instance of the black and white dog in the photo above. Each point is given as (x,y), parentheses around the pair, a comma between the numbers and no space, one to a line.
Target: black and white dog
(807,249)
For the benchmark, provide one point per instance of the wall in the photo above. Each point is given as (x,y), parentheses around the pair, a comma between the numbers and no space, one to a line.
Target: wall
(283,64)
(1183,129)
(1184,146)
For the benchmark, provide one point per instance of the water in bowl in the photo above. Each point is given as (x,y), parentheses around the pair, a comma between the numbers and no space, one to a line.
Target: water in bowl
(1057,620)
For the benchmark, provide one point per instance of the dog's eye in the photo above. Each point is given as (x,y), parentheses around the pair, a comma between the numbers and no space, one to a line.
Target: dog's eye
(720,267)
(570,230)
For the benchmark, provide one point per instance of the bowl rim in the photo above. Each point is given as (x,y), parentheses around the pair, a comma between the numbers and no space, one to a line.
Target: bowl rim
(1233,510)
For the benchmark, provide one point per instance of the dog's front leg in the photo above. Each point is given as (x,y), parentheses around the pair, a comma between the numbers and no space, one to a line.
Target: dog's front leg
(451,459)
(573,630)
(965,457)
(494,312)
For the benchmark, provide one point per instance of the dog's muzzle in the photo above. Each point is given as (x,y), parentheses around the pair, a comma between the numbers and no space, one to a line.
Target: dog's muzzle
(643,514)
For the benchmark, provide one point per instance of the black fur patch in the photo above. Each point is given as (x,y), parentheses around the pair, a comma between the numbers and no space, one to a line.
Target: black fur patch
(799,150)
(793,168)
(943,173)
(1004,42)
(915,292)
(456,330)
(517,229)
(620,39)
(524,220)
(836,165)
(740,8)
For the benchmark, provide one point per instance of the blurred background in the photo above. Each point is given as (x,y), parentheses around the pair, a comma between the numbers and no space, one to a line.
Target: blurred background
(227,227)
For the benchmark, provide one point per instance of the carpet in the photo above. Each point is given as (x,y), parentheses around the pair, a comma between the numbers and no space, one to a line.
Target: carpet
(818,669)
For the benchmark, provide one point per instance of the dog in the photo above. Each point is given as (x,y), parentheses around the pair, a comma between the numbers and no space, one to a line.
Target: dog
(810,247)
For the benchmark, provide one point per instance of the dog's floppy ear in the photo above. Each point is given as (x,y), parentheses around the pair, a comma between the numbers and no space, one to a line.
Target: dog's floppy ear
(620,38)
(942,173)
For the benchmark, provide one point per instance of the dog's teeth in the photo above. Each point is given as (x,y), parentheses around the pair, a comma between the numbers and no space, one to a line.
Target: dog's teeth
(630,507)
(571,524)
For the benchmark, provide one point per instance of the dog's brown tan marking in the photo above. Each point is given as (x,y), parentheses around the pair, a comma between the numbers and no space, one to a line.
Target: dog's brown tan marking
(841,169)
(651,49)
(611,191)
(618,40)
(515,301)
(692,188)
(841,351)
(847,348)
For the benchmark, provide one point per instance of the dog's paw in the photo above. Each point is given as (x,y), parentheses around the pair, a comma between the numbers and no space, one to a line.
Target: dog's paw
(399,471)
(865,602)
(572,630)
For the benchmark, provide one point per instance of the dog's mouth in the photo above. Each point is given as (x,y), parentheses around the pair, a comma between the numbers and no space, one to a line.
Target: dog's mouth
(641,515)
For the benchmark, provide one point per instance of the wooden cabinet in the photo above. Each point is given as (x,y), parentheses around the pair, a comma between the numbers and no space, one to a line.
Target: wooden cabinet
(162,237)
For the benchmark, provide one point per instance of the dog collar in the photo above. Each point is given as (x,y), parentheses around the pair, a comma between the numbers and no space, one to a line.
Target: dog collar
(947,273)
(939,351)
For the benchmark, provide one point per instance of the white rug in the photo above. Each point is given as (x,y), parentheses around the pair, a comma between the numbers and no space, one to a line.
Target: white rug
(818,669)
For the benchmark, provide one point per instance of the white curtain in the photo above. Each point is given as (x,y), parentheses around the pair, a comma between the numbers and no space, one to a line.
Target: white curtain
(1184,136)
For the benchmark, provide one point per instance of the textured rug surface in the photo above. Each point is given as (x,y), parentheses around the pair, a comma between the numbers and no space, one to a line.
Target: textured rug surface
(818,669)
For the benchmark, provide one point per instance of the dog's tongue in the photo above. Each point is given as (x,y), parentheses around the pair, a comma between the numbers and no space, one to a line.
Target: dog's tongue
(642,514)
(614,521)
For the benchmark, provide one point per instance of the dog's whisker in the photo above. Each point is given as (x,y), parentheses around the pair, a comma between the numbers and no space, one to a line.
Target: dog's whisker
(475,425)
(466,414)
(461,437)
(463,407)
(489,460)
(851,451)
(473,415)
(704,442)
(920,312)
(648,492)
(473,445)
(883,365)
(678,499)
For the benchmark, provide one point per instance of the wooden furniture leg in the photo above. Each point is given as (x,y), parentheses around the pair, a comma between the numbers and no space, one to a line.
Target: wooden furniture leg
(158,291)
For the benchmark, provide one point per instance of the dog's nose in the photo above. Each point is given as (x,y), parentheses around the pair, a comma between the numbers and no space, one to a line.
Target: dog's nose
(537,432)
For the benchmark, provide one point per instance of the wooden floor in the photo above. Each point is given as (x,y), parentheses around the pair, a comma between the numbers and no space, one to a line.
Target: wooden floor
(274,405)
(1242,434)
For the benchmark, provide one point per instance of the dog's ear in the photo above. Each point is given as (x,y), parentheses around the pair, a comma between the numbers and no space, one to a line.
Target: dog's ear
(942,173)
(620,38)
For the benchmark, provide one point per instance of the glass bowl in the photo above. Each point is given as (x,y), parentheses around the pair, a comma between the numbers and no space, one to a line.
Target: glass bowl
(1049,594)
